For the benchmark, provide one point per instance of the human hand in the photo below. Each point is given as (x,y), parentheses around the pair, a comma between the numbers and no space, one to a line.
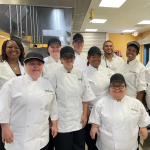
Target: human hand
(94,130)
(144,133)
(83,120)
(54,131)
(7,135)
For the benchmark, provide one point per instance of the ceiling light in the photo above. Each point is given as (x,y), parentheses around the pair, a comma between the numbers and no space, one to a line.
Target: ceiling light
(2,36)
(111,3)
(128,30)
(144,22)
(92,30)
(98,20)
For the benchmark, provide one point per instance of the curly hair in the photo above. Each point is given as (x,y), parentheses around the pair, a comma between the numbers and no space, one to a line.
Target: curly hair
(21,57)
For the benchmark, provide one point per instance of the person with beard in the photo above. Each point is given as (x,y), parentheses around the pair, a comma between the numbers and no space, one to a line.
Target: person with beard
(110,59)
(81,58)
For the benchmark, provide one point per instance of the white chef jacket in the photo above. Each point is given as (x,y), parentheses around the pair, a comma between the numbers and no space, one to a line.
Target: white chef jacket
(113,64)
(71,90)
(49,68)
(134,74)
(50,59)
(99,80)
(80,60)
(148,84)
(118,122)
(26,105)
(6,73)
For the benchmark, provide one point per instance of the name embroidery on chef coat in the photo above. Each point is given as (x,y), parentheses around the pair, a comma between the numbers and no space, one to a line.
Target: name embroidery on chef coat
(134,109)
(132,71)
(80,79)
(48,91)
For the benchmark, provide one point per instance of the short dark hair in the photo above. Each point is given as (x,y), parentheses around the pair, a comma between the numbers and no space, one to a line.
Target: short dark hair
(106,42)
(21,57)
(137,49)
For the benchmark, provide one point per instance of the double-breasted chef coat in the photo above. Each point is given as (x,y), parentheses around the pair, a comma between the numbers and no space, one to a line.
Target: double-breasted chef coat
(26,106)
(148,84)
(80,60)
(6,72)
(50,59)
(113,64)
(118,122)
(71,90)
(134,74)
(99,80)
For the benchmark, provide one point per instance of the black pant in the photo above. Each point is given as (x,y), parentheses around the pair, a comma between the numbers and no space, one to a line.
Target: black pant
(70,141)
(45,148)
(51,141)
(1,143)
(89,141)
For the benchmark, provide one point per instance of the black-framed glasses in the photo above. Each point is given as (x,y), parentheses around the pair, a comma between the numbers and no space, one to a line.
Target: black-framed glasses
(117,86)
(67,58)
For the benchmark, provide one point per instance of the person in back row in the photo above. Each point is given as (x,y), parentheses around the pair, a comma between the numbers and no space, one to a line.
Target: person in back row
(81,58)
(72,94)
(110,59)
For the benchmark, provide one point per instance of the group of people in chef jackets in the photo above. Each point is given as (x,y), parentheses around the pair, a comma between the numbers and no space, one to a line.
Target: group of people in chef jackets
(71,98)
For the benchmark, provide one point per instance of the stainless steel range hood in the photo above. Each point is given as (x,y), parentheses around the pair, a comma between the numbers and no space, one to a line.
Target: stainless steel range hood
(37,23)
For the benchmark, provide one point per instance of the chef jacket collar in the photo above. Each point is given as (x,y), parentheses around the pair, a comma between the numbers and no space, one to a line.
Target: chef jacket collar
(65,71)
(115,101)
(114,56)
(96,69)
(30,79)
(132,62)
(77,54)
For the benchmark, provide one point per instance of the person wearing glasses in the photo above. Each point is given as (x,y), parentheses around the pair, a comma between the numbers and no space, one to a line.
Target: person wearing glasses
(110,59)
(99,78)
(133,72)
(11,65)
(72,94)
(118,128)
(24,111)
(81,58)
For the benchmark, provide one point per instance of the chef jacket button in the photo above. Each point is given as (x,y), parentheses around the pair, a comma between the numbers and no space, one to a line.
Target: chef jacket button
(76,96)
(29,110)
(41,109)
(27,125)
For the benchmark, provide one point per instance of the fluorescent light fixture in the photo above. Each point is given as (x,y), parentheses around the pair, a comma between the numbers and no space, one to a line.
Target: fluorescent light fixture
(92,30)
(128,30)
(111,3)
(98,20)
(144,22)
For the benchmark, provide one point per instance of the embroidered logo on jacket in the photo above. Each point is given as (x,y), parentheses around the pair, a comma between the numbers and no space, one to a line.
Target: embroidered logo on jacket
(48,91)
(132,71)
(134,109)
(109,74)
(80,79)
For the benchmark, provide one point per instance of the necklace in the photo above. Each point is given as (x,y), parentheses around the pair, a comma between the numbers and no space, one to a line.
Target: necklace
(15,68)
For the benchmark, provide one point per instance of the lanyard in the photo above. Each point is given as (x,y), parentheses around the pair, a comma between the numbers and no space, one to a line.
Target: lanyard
(106,63)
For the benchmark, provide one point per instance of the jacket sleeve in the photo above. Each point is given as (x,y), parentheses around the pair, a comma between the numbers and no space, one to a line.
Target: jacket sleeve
(144,117)
(54,109)
(95,116)
(88,94)
(5,103)
(141,80)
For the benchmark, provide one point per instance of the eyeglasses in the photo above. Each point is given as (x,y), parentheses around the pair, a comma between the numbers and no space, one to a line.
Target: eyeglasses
(119,86)
(67,58)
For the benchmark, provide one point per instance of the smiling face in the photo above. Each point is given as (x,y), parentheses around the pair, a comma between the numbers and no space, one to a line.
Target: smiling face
(34,68)
(108,48)
(117,90)
(54,50)
(95,60)
(131,53)
(78,46)
(12,50)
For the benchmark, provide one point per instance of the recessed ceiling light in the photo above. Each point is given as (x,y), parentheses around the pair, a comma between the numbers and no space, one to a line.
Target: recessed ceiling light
(111,3)
(98,20)
(92,30)
(128,30)
(144,22)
